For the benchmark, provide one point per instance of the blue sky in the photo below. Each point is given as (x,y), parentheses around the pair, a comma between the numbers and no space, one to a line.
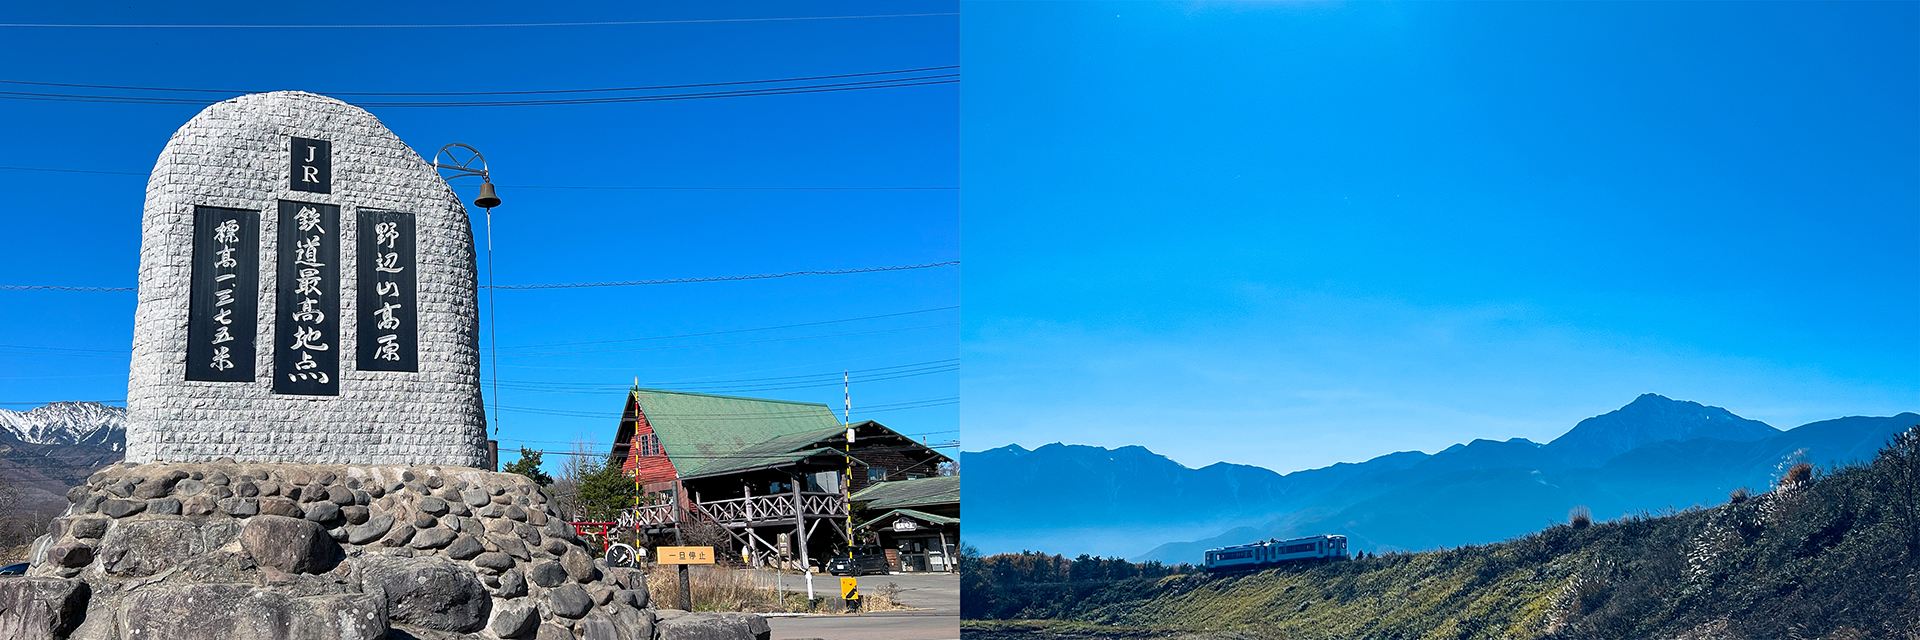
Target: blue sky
(83,228)
(1292,234)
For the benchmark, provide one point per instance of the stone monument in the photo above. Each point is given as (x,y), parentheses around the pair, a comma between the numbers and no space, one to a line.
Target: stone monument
(305,419)
(307,294)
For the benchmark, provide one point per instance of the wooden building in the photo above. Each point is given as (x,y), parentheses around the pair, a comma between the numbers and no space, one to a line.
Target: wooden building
(916,521)
(756,468)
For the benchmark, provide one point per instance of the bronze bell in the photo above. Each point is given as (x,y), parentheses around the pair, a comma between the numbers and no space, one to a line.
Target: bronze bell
(487,199)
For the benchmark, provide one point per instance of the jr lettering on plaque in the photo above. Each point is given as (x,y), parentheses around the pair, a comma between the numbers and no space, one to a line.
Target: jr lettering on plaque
(306,360)
(387,334)
(225,295)
(312,166)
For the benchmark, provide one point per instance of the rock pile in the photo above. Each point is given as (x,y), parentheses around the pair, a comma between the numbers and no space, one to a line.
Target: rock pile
(238,551)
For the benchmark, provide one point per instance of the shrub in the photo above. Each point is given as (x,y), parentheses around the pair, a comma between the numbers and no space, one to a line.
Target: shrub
(1580,517)
(1739,495)
(1797,474)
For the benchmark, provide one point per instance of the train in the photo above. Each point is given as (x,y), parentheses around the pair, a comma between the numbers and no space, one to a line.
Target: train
(1271,553)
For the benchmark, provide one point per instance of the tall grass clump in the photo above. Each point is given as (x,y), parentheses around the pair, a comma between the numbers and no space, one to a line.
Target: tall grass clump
(1580,517)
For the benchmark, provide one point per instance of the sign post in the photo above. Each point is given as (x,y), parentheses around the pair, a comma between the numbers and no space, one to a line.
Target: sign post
(684,556)
(850,592)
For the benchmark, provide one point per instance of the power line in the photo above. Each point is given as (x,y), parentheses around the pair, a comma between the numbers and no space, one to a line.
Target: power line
(466,26)
(739,342)
(715,333)
(579,285)
(564,186)
(496,93)
(836,374)
(889,83)
(763,276)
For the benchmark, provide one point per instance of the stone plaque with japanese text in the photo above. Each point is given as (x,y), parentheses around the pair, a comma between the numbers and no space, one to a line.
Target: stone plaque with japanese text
(226,295)
(336,269)
(387,299)
(306,357)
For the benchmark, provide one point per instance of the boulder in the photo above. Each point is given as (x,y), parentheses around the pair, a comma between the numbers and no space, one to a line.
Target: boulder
(432,506)
(579,565)
(323,512)
(242,612)
(510,545)
(464,547)
(164,506)
(512,584)
(598,626)
(122,508)
(493,560)
(87,528)
(281,507)
(515,621)
(398,536)
(137,548)
(41,608)
(633,624)
(431,592)
(371,530)
(240,507)
(712,626)
(432,538)
(292,546)
(569,601)
(547,574)
(474,497)
(70,553)
(355,514)
(200,505)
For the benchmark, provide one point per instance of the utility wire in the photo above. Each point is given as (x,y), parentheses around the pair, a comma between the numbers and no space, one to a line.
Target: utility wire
(824,88)
(716,333)
(578,285)
(494,93)
(488,25)
(580,187)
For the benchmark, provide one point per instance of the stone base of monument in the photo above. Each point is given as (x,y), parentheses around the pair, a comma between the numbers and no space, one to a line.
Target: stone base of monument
(244,551)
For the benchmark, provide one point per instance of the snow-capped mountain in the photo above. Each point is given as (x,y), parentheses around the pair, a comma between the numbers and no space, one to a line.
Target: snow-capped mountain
(64,423)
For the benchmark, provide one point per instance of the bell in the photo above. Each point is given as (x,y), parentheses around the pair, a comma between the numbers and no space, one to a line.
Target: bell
(487,199)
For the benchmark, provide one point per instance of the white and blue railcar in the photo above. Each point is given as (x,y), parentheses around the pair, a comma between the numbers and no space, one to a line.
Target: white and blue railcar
(1268,553)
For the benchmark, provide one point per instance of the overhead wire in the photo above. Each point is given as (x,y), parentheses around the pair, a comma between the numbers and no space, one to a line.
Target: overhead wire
(496,93)
(487,25)
(566,186)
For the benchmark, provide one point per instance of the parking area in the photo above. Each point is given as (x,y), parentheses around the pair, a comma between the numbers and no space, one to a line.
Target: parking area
(936,595)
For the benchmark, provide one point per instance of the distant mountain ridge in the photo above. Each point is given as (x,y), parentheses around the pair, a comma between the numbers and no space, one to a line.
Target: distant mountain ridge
(45,450)
(65,423)
(1653,453)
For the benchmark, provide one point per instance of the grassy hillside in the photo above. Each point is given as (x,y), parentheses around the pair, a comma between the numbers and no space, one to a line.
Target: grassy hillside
(1831,557)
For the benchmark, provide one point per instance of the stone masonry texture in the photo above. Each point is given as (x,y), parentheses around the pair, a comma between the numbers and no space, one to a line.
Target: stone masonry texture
(235,154)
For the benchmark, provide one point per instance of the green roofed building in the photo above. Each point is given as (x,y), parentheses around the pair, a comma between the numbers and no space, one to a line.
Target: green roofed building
(917,522)
(757,468)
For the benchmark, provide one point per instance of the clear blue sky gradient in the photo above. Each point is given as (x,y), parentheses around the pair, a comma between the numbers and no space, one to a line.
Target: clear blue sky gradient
(1293,234)
(84,229)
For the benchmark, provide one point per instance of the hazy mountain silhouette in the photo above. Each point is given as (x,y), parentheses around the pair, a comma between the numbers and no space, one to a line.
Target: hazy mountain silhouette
(1651,454)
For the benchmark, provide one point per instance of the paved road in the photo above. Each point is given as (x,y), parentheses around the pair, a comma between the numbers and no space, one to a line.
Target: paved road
(937,595)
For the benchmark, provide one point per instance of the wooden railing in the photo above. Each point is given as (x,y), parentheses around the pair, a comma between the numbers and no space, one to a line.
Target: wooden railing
(774,508)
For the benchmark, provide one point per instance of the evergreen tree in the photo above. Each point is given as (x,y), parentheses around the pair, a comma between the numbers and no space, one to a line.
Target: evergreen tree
(529,465)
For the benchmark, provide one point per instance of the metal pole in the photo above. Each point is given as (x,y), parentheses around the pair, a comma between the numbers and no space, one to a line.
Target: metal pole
(800,533)
(493,325)
(679,539)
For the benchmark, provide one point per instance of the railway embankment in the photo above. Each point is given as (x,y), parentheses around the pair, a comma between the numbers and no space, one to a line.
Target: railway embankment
(1822,555)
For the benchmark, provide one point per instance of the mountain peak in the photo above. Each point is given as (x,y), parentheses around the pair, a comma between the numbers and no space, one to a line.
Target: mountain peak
(64,423)
(1653,418)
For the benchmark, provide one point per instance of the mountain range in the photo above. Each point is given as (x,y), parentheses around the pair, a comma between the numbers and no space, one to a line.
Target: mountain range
(49,448)
(1652,454)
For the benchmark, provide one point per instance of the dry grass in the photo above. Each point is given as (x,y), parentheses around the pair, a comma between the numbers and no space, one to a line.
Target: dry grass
(1799,473)
(1580,517)
(724,589)
(13,554)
